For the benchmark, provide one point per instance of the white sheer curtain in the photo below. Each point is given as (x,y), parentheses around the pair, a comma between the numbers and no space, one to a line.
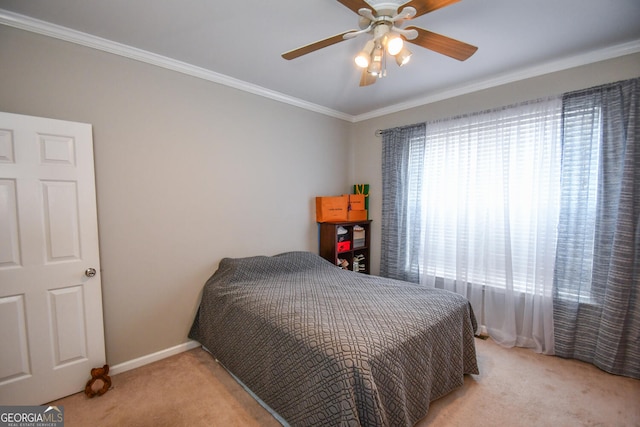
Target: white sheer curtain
(490,206)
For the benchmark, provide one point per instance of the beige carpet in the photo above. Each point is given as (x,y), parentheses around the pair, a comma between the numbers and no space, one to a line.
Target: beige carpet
(516,387)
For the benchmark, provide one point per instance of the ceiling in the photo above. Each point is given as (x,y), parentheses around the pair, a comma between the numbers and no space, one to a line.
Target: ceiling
(240,43)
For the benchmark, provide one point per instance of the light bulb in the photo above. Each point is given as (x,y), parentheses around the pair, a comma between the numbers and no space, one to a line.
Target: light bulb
(403,57)
(394,44)
(362,60)
(364,57)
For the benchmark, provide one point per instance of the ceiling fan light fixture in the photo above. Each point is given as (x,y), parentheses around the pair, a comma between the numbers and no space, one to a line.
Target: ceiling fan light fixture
(375,67)
(403,57)
(394,44)
(363,58)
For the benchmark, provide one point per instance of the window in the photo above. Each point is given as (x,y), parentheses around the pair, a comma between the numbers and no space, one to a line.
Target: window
(530,212)
(491,196)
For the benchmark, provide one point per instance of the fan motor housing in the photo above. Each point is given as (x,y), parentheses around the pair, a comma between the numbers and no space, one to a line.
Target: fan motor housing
(386,9)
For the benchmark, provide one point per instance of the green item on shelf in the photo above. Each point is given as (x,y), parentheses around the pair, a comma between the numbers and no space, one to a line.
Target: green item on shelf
(363,189)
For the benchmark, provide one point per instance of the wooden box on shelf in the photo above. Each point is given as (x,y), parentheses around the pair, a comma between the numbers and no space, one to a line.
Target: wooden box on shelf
(332,247)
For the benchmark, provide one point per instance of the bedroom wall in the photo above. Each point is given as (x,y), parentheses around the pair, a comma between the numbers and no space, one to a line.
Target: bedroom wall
(367,148)
(187,172)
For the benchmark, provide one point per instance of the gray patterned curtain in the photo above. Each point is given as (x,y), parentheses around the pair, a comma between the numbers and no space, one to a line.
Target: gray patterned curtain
(597,276)
(402,166)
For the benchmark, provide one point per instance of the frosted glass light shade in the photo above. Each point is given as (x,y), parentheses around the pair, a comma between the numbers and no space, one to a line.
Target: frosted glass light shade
(394,44)
(403,57)
(363,58)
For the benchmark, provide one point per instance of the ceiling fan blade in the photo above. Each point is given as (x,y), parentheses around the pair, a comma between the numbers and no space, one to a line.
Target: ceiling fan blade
(356,5)
(426,6)
(295,53)
(367,79)
(442,44)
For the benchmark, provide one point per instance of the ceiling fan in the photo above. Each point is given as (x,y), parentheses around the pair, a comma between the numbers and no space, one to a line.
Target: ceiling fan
(384,21)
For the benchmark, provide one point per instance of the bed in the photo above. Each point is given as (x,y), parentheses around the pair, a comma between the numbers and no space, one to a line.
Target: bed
(325,346)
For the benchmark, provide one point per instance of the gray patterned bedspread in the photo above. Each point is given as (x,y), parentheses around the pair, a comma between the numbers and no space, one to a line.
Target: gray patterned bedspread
(325,346)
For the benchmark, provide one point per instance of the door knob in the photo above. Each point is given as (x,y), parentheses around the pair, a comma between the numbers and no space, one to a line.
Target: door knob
(90,272)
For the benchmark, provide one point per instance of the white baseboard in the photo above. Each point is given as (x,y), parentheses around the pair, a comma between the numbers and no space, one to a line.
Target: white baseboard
(153,357)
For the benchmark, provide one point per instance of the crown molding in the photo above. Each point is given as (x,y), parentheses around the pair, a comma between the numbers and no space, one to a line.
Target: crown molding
(525,73)
(62,33)
(37,26)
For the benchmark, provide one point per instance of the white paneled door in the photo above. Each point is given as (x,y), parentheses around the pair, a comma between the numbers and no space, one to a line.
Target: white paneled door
(51,327)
